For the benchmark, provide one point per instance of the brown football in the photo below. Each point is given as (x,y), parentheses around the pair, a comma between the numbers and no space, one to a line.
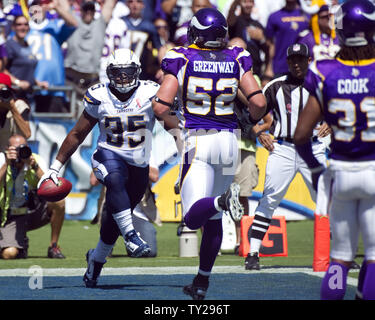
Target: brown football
(51,192)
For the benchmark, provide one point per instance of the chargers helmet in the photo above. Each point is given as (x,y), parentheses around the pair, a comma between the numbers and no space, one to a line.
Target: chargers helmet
(208,29)
(123,69)
(355,23)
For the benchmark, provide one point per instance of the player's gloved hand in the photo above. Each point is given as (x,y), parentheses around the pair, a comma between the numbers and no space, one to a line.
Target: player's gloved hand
(315,174)
(52,173)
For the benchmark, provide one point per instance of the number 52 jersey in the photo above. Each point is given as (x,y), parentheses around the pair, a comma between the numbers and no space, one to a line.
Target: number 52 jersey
(208,83)
(125,127)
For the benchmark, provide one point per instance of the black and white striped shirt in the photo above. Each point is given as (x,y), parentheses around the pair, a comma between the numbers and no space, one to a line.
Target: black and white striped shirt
(286,97)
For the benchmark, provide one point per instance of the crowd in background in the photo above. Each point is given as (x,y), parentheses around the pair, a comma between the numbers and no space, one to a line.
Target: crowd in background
(48,44)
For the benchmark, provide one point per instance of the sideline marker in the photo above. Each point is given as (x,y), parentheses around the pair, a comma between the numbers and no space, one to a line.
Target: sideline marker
(321,243)
(274,242)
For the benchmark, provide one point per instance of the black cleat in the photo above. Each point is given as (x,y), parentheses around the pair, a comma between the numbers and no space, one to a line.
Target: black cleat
(252,262)
(196,290)
(229,202)
(90,278)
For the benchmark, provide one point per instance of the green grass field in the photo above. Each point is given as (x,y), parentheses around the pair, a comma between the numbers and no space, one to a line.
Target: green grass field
(78,236)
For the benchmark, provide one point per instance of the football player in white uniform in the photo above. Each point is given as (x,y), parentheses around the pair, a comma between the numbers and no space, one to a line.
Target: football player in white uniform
(122,109)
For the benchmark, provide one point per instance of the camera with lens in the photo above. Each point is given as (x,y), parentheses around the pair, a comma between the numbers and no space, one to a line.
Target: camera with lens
(23,152)
(5,94)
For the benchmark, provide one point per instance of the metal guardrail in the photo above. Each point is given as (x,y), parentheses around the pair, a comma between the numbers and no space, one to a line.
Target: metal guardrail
(73,110)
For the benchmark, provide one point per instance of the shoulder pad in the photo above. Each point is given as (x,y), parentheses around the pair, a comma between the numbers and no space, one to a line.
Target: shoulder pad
(89,96)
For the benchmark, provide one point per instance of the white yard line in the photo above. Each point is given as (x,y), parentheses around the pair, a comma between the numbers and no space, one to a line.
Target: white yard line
(65,272)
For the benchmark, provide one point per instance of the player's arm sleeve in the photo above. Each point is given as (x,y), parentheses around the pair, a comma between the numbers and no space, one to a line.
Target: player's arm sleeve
(313,82)
(245,61)
(91,104)
(173,62)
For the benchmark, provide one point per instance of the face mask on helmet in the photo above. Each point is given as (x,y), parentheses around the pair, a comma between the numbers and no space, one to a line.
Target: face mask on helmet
(208,29)
(123,78)
(355,23)
(123,70)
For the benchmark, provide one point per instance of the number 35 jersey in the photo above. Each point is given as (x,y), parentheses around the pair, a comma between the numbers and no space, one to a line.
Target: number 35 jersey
(125,127)
(346,93)
(208,83)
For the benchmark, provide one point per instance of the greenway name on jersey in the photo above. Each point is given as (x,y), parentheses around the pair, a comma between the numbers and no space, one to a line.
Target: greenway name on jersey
(213,67)
(125,127)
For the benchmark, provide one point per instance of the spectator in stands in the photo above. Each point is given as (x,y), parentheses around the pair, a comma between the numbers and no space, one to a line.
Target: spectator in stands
(142,38)
(21,210)
(85,46)
(323,44)
(162,28)
(14,113)
(180,36)
(282,30)
(244,27)
(178,12)
(20,62)
(114,33)
(45,38)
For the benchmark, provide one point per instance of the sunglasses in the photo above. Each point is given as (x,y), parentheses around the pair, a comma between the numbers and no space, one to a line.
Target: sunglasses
(161,27)
(324,17)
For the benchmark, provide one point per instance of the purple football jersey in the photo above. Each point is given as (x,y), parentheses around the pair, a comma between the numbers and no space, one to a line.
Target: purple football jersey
(326,49)
(208,82)
(283,27)
(346,93)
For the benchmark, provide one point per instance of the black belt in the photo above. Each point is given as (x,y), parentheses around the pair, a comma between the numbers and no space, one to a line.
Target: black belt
(290,140)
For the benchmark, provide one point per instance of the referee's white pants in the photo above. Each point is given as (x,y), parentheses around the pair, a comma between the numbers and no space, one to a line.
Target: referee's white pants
(210,169)
(282,166)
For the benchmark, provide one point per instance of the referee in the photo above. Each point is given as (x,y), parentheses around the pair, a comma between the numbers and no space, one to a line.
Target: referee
(286,97)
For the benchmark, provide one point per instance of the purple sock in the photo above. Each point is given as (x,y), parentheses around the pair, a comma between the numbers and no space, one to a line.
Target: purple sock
(369,283)
(334,282)
(210,245)
(200,212)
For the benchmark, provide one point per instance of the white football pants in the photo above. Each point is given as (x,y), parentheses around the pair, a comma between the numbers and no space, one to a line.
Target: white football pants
(210,169)
(352,209)
(282,166)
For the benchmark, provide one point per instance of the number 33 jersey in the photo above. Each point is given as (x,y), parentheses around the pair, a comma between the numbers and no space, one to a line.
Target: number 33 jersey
(208,83)
(125,127)
(346,93)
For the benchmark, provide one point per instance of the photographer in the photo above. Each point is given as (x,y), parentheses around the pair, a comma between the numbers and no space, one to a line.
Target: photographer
(21,210)
(14,114)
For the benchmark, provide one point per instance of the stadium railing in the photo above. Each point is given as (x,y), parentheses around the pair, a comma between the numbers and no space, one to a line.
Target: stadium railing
(71,96)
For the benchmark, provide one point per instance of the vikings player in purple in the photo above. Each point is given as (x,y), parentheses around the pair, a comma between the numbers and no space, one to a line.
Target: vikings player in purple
(206,77)
(342,93)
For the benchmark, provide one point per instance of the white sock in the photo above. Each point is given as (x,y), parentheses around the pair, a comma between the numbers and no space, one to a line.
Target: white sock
(255,245)
(102,251)
(124,221)
(216,204)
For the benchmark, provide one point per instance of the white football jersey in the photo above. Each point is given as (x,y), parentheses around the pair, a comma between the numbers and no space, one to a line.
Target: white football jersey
(115,31)
(125,127)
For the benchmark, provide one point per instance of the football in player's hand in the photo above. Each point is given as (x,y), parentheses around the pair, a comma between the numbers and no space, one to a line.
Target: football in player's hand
(51,192)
